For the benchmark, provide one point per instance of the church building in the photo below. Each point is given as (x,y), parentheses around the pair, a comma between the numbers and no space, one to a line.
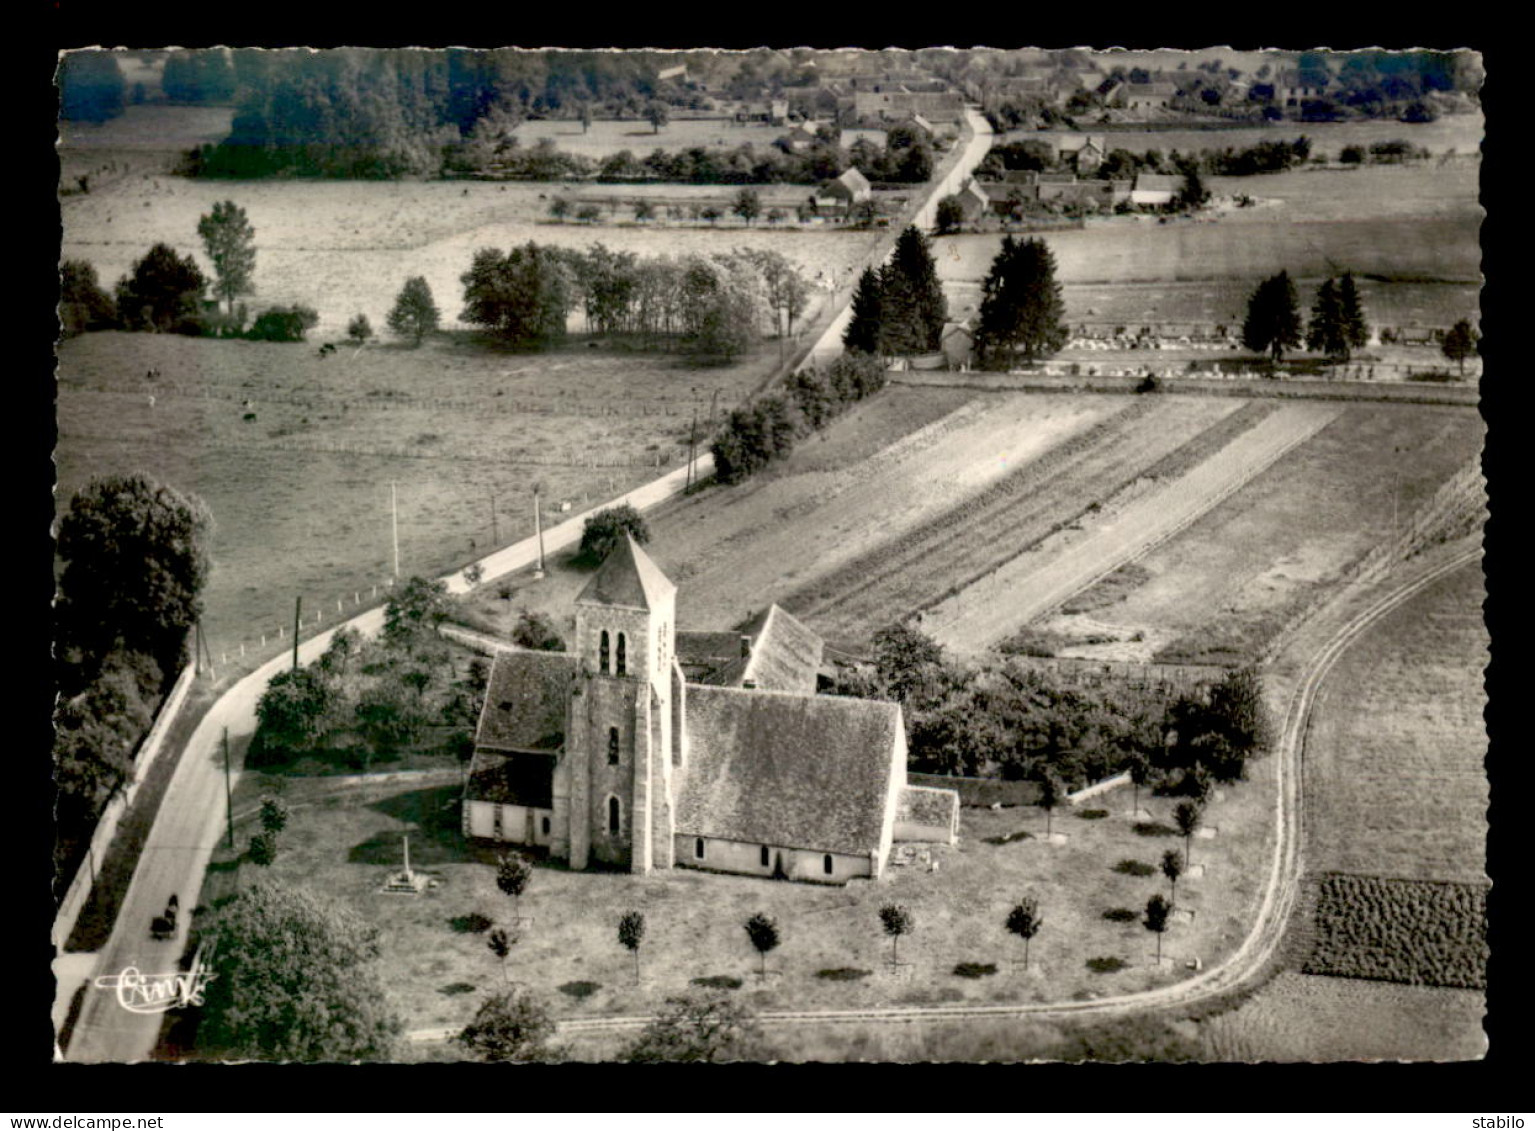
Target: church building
(645,747)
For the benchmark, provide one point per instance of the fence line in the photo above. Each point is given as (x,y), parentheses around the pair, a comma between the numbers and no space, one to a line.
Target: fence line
(80,887)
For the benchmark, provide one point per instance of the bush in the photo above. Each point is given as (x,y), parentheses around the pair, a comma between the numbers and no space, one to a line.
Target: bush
(536,631)
(580,990)
(1121,915)
(283,324)
(1106,965)
(1092,814)
(974,969)
(718,982)
(842,974)
(472,924)
(1134,868)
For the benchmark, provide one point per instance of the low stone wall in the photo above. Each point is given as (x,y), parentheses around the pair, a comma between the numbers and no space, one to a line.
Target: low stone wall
(981,792)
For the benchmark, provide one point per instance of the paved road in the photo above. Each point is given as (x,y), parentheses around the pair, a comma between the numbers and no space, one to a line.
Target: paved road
(1036,581)
(191,817)
(829,345)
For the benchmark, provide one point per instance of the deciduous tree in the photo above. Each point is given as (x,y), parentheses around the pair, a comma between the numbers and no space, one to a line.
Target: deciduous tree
(896,919)
(763,933)
(1025,921)
(274,815)
(1158,911)
(747,204)
(537,631)
(295,981)
(359,329)
(603,531)
(1051,792)
(83,305)
(1460,343)
(523,295)
(513,875)
(631,933)
(1172,868)
(415,314)
(1187,818)
(135,562)
(658,114)
(949,216)
(162,293)
(229,240)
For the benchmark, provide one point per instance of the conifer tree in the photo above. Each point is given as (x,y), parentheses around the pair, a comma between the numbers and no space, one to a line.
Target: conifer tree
(1324,334)
(863,330)
(1273,322)
(1022,313)
(1356,329)
(914,308)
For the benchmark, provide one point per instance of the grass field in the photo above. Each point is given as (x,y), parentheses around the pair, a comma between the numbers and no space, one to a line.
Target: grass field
(345,842)
(1223,585)
(459,428)
(347,247)
(1409,234)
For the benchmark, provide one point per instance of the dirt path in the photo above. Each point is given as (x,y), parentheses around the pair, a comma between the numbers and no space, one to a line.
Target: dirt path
(902,574)
(1033,583)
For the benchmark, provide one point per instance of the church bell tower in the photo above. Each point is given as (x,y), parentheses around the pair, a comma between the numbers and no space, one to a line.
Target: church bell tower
(613,790)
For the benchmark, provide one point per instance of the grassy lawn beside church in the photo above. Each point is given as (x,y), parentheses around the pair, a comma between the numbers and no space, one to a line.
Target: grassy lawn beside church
(344,839)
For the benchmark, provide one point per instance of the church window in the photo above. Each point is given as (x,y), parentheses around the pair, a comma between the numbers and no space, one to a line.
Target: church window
(698,847)
(603,652)
(546,826)
(826,863)
(613,815)
(612,746)
(622,656)
(764,856)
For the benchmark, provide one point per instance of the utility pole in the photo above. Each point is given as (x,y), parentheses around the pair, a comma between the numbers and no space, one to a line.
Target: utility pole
(394,512)
(495,535)
(298,620)
(712,399)
(229,801)
(692,442)
(538,525)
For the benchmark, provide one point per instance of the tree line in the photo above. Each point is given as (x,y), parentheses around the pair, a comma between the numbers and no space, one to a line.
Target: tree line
(135,561)
(1003,718)
(1121,164)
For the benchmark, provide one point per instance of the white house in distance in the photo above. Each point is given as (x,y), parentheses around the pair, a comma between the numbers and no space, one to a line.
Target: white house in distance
(650,748)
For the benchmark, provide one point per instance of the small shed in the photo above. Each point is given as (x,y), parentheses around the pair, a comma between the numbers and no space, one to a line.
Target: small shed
(850,188)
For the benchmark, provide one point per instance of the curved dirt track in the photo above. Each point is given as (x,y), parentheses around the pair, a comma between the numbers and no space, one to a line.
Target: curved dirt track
(1250,961)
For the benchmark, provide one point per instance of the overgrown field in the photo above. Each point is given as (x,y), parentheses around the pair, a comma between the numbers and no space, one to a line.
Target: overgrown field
(1216,591)
(300,491)
(1418,932)
(438,967)
(607,136)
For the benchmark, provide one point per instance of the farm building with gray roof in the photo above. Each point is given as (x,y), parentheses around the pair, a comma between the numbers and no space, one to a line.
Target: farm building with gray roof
(650,748)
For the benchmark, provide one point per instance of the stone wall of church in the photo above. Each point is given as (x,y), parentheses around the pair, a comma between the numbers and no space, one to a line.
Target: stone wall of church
(742,859)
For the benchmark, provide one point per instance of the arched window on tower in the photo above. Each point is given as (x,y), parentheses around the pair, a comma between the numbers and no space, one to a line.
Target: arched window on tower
(613,815)
(612,746)
(826,864)
(602,653)
(623,658)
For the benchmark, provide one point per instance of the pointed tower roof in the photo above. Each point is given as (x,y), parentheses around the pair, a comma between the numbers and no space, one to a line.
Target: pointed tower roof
(628,578)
